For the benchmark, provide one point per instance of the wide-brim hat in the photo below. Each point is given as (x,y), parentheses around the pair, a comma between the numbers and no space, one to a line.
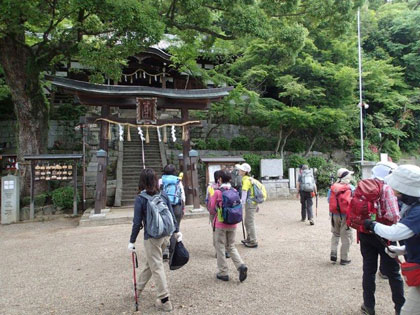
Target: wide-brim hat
(380,171)
(390,164)
(244,167)
(405,179)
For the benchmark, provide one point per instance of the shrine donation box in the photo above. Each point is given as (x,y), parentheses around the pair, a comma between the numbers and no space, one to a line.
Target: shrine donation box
(10,199)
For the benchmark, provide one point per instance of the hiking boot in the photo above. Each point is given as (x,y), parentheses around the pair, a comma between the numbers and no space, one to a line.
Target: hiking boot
(243,269)
(311,222)
(302,220)
(245,241)
(367,310)
(344,262)
(382,276)
(333,256)
(227,255)
(166,307)
(222,277)
(251,244)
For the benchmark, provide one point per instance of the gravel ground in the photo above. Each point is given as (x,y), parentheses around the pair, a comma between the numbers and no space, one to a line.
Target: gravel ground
(57,267)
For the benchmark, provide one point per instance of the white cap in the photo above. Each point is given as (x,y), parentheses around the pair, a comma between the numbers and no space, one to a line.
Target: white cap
(244,167)
(341,171)
(405,179)
(380,171)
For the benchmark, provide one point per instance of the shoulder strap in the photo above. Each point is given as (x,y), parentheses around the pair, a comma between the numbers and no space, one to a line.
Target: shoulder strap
(146,195)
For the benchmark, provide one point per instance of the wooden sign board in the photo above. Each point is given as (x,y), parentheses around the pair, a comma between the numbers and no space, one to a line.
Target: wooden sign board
(146,110)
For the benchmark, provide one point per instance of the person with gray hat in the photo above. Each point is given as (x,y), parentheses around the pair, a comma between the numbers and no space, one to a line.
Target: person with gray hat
(405,181)
(249,205)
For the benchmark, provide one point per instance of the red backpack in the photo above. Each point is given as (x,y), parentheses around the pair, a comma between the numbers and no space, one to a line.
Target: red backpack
(365,202)
(340,198)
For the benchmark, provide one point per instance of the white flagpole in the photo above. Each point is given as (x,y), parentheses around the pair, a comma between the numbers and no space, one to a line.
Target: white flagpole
(360,86)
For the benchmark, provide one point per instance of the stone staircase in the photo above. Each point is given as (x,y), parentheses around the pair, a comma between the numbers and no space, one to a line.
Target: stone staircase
(133,163)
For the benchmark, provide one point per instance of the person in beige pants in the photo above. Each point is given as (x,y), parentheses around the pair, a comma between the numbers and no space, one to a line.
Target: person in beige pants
(250,206)
(152,261)
(224,234)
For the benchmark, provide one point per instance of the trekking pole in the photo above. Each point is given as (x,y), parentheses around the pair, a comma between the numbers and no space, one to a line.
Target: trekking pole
(135,265)
(243,229)
(316,206)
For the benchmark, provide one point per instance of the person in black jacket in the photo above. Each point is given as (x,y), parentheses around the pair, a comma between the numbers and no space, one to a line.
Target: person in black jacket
(152,261)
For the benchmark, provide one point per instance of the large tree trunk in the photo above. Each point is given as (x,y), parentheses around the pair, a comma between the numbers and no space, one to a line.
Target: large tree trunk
(311,145)
(22,75)
(284,144)
(279,141)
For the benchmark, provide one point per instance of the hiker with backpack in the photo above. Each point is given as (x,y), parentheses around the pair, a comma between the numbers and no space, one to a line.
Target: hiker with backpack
(250,206)
(225,205)
(375,200)
(405,181)
(174,189)
(339,202)
(153,212)
(211,188)
(306,188)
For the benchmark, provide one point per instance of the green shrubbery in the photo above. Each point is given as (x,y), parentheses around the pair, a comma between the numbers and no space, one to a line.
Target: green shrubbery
(295,161)
(39,200)
(295,145)
(240,143)
(316,162)
(260,144)
(223,144)
(63,197)
(392,149)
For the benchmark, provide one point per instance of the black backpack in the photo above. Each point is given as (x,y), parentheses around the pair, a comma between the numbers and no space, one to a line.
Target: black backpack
(178,254)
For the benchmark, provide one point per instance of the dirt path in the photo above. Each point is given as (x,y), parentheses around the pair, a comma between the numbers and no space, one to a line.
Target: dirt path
(59,268)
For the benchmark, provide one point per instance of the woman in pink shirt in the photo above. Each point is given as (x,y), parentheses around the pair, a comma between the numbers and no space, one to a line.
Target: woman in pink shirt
(225,234)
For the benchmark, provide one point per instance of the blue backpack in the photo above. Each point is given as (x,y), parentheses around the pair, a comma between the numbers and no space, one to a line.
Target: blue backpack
(231,211)
(171,187)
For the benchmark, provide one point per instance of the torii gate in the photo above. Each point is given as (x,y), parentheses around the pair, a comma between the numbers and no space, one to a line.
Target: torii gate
(126,97)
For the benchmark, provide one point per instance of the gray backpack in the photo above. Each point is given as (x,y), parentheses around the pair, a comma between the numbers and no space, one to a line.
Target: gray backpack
(159,219)
(307,181)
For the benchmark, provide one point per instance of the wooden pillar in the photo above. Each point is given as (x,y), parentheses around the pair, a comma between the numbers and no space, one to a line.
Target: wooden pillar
(75,187)
(186,147)
(32,202)
(103,136)
(100,197)
(103,145)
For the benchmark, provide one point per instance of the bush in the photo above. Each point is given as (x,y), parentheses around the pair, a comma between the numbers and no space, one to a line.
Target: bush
(211,144)
(240,143)
(200,144)
(223,144)
(326,175)
(40,200)
(63,197)
(295,145)
(254,161)
(392,149)
(295,161)
(316,162)
(260,144)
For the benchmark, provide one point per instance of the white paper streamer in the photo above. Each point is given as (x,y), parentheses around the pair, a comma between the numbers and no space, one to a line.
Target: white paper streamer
(158,132)
(173,133)
(140,132)
(121,130)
